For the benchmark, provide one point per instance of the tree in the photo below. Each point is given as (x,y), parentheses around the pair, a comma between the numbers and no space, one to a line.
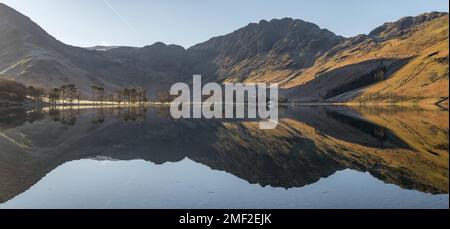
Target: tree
(78,96)
(71,92)
(101,93)
(283,100)
(67,93)
(98,93)
(35,93)
(111,98)
(141,94)
(62,90)
(119,96)
(126,94)
(94,93)
(164,96)
(133,93)
(12,91)
(54,95)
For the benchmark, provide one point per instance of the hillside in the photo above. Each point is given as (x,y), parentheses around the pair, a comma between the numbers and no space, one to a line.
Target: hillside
(397,62)
(33,57)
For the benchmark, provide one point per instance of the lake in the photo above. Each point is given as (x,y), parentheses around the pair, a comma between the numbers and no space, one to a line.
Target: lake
(139,157)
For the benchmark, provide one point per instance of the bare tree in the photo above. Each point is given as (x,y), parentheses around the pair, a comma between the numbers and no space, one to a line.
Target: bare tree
(54,95)
(94,93)
(126,94)
(101,93)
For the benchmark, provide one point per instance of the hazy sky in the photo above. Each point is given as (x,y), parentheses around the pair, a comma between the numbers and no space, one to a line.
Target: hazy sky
(187,22)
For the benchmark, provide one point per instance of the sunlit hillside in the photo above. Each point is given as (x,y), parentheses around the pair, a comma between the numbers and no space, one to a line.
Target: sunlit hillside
(404,61)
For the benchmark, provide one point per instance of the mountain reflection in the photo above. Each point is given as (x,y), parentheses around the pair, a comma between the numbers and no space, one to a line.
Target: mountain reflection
(408,148)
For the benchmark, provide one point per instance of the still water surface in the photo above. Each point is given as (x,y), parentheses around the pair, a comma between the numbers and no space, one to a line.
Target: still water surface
(318,157)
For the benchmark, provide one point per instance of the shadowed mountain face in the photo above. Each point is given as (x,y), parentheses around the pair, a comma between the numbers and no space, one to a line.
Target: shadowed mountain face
(278,45)
(31,56)
(405,60)
(309,144)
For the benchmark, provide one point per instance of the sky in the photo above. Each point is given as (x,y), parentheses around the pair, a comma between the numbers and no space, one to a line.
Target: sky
(138,23)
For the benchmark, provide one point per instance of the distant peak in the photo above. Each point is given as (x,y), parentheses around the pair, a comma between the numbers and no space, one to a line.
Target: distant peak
(158,44)
(288,19)
(162,45)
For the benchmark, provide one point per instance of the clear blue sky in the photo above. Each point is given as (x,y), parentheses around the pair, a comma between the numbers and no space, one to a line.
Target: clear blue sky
(187,22)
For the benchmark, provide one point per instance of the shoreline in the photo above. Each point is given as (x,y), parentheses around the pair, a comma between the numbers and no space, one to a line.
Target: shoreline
(8,106)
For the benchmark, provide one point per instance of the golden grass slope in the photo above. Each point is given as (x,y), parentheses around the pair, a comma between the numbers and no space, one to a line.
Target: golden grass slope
(423,79)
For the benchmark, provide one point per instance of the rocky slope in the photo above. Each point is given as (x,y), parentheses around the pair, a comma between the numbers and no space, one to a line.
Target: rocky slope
(403,61)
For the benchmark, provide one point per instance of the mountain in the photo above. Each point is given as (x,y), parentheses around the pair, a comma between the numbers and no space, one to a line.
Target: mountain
(403,61)
(261,52)
(31,56)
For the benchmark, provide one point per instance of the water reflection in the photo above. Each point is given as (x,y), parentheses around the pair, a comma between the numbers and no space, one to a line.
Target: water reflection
(407,148)
(68,115)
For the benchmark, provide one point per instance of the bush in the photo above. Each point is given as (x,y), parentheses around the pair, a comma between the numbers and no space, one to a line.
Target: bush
(12,91)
